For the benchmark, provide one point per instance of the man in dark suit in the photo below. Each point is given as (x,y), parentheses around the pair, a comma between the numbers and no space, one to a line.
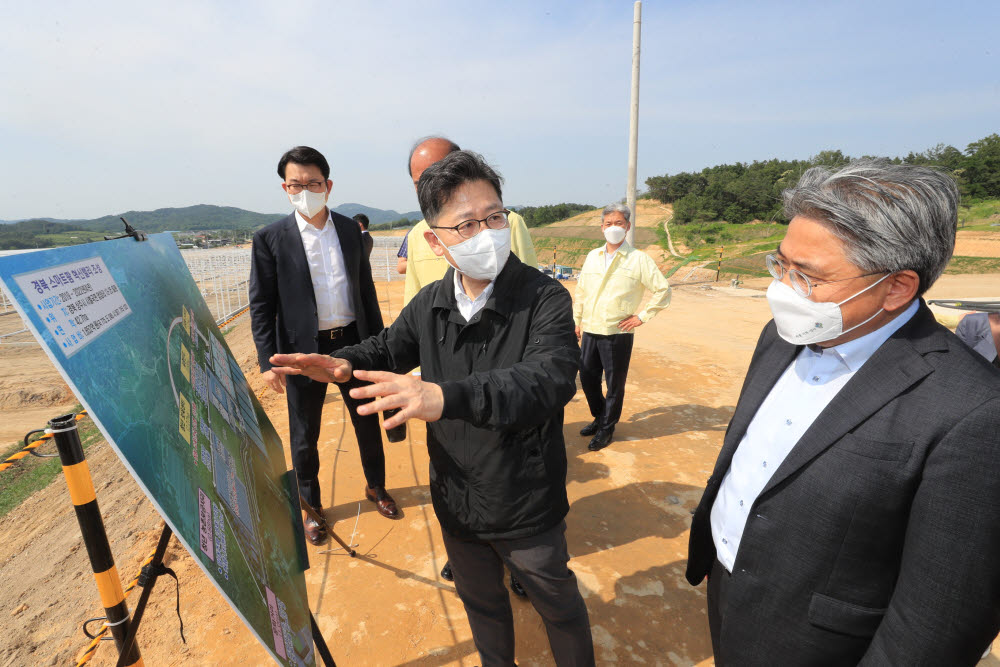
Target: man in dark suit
(853,515)
(366,238)
(311,289)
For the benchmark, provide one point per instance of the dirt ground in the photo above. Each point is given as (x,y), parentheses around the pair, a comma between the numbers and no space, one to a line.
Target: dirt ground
(627,527)
(977,244)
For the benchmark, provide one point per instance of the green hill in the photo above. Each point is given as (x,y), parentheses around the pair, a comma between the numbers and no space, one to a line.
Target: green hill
(189,218)
(44,233)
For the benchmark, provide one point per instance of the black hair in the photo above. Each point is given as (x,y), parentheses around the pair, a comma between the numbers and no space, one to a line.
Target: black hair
(452,147)
(304,155)
(361,219)
(440,180)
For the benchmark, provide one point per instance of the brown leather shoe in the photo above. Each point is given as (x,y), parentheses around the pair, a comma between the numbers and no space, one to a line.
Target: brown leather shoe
(315,531)
(384,503)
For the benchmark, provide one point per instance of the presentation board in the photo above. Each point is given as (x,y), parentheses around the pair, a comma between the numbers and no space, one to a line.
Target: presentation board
(125,324)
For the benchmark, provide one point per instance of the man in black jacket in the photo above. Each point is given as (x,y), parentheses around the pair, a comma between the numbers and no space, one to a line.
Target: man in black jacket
(496,346)
(311,289)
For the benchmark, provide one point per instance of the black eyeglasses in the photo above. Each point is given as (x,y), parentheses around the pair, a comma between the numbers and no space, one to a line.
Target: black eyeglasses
(314,186)
(802,283)
(469,228)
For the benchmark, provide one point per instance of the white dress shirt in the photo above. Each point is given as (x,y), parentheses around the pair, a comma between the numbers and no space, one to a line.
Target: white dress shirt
(798,397)
(328,273)
(609,257)
(466,306)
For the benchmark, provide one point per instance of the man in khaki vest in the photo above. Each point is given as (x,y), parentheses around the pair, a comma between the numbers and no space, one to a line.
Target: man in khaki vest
(424,267)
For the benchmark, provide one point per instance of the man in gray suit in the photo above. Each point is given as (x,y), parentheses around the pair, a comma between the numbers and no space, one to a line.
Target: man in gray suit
(981,332)
(853,515)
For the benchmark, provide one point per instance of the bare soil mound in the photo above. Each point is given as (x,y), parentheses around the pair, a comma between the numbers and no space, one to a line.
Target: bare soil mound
(31,392)
(649,213)
(977,244)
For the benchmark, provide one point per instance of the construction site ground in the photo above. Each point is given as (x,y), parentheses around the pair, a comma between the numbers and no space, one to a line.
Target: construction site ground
(627,526)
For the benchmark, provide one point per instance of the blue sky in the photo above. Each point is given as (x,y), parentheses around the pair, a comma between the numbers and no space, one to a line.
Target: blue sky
(111,106)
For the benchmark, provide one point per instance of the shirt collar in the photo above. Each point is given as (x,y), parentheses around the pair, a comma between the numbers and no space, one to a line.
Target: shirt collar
(623,249)
(502,299)
(854,353)
(460,294)
(305,224)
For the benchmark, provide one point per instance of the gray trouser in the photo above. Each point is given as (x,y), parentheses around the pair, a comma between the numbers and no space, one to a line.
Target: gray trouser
(539,562)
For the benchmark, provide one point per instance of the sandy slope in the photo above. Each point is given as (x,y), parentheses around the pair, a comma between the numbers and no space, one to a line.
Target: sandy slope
(649,213)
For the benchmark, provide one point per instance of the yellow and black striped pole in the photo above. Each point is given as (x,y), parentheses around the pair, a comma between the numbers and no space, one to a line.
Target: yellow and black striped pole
(81,492)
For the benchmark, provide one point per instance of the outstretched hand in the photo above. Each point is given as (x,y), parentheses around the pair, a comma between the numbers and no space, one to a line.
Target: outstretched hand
(415,398)
(319,367)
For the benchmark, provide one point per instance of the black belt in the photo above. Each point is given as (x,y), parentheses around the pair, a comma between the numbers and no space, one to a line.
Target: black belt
(334,333)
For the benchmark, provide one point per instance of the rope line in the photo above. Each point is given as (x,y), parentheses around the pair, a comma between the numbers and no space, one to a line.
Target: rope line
(234,316)
(29,447)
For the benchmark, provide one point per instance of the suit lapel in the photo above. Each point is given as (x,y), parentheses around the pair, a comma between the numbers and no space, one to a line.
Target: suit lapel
(349,249)
(296,254)
(894,368)
(761,378)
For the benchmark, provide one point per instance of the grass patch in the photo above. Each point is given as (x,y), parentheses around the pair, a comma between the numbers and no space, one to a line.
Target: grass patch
(69,238)
(643,235)
(684,262)
(744,246)
(973,265)
(699,235)
(31,473)
(746,266)
(569,251)
(982,215)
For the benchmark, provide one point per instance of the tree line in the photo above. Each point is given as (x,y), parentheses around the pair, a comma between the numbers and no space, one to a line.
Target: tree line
(535,216)
(741,192)
(394,224)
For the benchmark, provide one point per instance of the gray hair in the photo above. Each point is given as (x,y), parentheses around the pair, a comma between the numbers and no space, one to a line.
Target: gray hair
(617,207)
(889,217)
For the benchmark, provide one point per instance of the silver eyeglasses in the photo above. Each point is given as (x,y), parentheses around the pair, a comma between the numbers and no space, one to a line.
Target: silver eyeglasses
(801,283)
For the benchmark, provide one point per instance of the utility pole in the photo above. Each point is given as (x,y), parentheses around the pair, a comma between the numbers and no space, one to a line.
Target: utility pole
(633,133)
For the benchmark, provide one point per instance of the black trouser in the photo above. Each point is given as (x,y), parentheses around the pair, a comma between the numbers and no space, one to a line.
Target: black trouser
(718,588)
(305,413)
(539,562)
(610,356)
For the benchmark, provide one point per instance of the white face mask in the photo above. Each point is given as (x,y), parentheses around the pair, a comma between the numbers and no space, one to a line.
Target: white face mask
(804,322)
(483,256)
(615,234)
(308,203)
